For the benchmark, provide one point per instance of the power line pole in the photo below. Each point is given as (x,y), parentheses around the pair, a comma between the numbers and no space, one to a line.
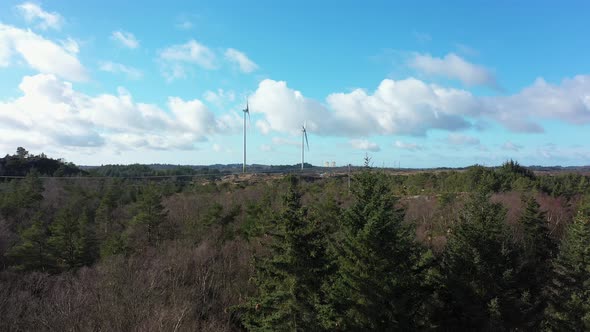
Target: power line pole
(244,165)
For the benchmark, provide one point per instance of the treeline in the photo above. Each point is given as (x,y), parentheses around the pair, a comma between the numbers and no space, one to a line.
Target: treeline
(21,163)
(510,176)
(139,170)
(124,254)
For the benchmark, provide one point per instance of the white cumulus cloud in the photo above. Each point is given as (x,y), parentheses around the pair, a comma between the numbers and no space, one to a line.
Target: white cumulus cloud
(569,102)
(285,110)
(176,58)
(39,53)
(363,144)
(117,68)
(126,39)
(454,67)
(33,13)
(53,114)
(408,107)
(219,97)
(413,107)
(191,52)
(244,63)
(70,45)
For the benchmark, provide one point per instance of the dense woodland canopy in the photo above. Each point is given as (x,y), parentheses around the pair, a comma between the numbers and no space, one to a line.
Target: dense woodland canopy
(478,249)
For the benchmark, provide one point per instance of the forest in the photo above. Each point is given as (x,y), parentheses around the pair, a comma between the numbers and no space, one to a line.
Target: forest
(483,248)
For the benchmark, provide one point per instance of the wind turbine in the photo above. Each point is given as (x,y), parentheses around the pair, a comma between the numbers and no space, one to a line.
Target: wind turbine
(246,111)
(303,141)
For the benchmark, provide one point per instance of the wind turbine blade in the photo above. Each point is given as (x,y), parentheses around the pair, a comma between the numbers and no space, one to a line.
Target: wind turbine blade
(306,141)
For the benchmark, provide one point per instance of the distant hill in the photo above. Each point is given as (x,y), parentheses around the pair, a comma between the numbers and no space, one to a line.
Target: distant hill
(170,169)
(22,163)
(559,168)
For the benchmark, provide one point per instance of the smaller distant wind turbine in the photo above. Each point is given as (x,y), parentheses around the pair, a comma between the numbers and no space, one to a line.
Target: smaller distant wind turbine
(246,112)
(304,141)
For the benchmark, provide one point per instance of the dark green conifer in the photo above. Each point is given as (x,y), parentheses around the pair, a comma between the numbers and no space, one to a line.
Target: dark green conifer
(569,291)
(479,270)
(290,282)
(86,244)
(381,267)
(31,191)
(64,237)
(104,212)
(151,214)
(32,253)
(72,240)
(538,249)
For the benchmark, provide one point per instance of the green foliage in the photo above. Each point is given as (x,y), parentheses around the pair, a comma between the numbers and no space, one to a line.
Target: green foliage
(217,217)
(213,214)
(115,244)
(253,225)
(31,191)
(32,253)
(72,240)
(446,199)
(151,214)
(86,246)
(569,306)
(538,250)
(138,170)
(22,152)
(508,177)
(23,194)
(290,282)
(480,271)
(21,163)
(326,258)
(104,213)
(380,266)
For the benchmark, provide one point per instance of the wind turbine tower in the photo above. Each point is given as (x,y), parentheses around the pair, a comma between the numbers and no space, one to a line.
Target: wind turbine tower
(246,112)
(304,141)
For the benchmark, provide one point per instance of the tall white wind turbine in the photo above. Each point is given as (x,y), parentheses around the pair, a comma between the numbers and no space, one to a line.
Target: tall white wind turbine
(246,112)
(304,141)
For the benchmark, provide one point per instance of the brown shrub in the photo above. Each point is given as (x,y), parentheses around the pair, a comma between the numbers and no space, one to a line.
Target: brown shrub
(175,288)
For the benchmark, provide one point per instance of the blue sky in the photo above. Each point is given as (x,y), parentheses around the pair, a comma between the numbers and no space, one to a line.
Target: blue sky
(425,83)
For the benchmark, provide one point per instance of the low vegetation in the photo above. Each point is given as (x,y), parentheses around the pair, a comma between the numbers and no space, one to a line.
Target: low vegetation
(480,249)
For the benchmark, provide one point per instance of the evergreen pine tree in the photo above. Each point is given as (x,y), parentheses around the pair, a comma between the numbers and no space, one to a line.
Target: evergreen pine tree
(64,237)
(31,190)
(151,214)
(479,270)
(538,249)
(290,282)
(32,252)
(86,246)
(22,201)
(381,267)
(569,305)
(72,241)
(104,212)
